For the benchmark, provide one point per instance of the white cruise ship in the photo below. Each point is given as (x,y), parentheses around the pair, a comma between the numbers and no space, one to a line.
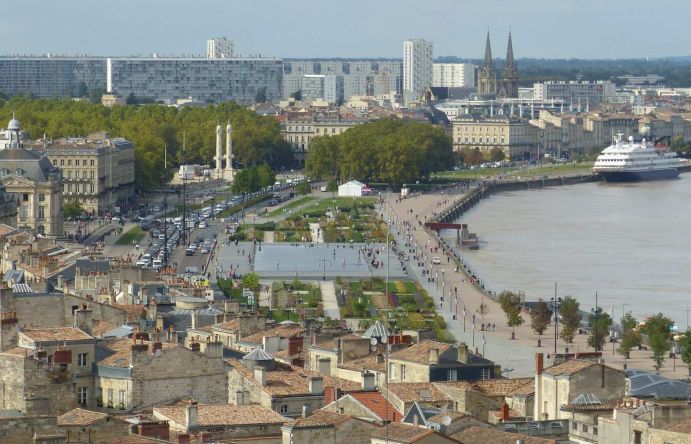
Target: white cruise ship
(629,161)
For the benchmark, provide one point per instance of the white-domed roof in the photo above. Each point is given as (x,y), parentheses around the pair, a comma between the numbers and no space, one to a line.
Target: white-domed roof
(13,125)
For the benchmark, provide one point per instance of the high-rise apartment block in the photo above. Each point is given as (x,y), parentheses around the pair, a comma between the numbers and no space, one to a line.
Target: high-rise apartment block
(219,48)
(417,66)
(360,77)
(326,87)
(50,76)
(205,80)
(453,75)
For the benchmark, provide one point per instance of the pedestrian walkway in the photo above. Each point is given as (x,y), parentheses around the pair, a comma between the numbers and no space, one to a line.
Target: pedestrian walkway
(328,291)
(317,234)
(269,237)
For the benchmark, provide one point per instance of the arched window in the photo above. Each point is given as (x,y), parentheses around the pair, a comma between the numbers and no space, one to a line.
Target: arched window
(19,172)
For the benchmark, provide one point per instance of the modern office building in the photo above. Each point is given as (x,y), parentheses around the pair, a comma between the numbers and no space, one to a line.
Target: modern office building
(585,92)
(97,170)
(204,80)
(219,48)
(417,66)
(453,75)
(50,76)
(360,77)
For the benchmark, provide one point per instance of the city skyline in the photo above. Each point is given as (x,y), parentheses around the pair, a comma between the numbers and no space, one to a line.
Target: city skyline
(269,27)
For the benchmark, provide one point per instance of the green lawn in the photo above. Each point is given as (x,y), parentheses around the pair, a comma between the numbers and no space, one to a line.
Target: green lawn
(553,169)
(472,174)
(135,234)
(336,202)
(294,204)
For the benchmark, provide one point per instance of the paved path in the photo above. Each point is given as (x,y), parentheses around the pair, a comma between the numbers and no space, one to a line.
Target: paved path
(269,237)
(328,291)
(317,235)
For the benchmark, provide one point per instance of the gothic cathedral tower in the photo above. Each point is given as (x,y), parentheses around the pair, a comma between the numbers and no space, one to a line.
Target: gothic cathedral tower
(487,77)
(509,79)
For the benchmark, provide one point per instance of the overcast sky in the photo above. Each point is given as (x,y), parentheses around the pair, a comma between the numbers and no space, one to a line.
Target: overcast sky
(349,28)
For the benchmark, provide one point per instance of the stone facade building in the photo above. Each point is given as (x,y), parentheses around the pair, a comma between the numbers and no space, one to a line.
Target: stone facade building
(36,182)
(515,137)
(8,207)
(97,170)
(328,428)
(561,384)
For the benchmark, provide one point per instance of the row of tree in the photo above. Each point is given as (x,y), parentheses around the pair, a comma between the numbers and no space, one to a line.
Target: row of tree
(392,151)
(256,139)
(656,333)
(254,178)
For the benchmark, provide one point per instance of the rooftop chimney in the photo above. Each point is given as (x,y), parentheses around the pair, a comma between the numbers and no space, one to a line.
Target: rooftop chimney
(433,356)
(83,319)
(214,349)
(191,414)
(305,411)
(316,385)
(368,381)
(463,353)
(182,438)
(380,358)
(260,375)
(539,363)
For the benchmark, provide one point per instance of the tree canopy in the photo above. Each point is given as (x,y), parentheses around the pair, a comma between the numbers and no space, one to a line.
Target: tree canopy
(511,304)
(254,178)
(599,331)
(256,139)
(392,151)
(570,318)
(540,317)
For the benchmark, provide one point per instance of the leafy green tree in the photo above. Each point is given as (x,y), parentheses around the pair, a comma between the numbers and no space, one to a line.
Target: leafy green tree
(303,188)
(322,161)
(540,317)
(600,324)
(628,322)
(246,181)
(497,155)
(95,95)
(629,340)
(332,186)
(265,176)
(251,281)
(570,318)
(685,344)
(658,324)
(511,305)
(483,310)
(72,209)
(659,345)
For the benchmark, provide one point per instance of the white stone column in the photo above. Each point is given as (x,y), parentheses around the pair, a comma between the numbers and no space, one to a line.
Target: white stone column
(229,152)
(219,151)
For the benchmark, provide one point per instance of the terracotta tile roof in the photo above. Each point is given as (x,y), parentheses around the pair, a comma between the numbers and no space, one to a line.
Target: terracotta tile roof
(366,363)
(455,416)
(526,389)
(55,334)
(121,352)
(283,331)
(569,367)
(101,327)
(134,312)
(419,352)
(591,407)
(222,415)
(682,427)
(320,418)
(233,324)
(403,433)
(80,417)
(289,380)
(488,387)
(411,391)
(512,414)
(479,435)
(331,343)
(378,405)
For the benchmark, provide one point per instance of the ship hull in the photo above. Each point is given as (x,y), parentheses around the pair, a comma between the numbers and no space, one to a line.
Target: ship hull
(635,176)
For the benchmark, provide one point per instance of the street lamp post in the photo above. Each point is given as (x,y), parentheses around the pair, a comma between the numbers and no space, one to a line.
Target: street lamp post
(596,313)
(556,304)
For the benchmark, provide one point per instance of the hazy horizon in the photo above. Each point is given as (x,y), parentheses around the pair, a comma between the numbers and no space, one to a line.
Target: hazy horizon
(541,29)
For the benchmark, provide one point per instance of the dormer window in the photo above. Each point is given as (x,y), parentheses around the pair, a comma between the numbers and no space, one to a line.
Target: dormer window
(4,172)
(19,172)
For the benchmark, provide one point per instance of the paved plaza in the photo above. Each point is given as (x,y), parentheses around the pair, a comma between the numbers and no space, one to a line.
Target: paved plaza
(304,260)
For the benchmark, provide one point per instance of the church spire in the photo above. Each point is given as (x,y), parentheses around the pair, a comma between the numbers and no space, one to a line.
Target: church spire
(509,52)
(488,52)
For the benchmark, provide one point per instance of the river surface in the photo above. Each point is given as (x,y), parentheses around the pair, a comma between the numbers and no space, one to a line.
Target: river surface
(629,242)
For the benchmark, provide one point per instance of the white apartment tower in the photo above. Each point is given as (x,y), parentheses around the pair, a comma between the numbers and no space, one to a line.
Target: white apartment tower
(219,48)
(417,66)
(454,75)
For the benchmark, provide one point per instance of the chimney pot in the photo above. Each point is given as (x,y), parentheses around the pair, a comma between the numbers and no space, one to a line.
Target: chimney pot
(539,363)
(433,355)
